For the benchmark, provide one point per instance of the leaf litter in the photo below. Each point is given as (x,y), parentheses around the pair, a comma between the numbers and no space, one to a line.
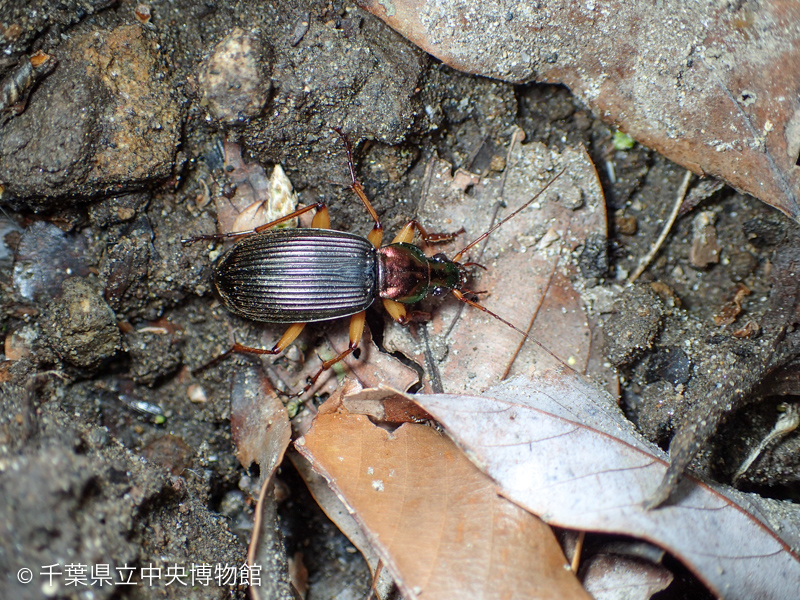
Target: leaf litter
(549,245)
(686,80)
(560,447)
(261,432)
(531,262)
(434,519)
(257,199)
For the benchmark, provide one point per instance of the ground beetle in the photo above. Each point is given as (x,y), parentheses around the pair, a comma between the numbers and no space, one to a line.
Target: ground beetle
(303,275)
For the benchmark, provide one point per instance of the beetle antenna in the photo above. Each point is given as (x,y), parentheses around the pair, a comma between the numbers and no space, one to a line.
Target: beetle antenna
(473,264)
(509,217)
(472,303)
(349,149)
(525,336)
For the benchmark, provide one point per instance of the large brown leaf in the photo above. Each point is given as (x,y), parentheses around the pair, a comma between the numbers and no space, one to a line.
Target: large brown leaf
(433,518)
(711,85)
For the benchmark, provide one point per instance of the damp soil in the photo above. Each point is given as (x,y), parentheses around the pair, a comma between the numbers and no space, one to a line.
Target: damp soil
(111,451)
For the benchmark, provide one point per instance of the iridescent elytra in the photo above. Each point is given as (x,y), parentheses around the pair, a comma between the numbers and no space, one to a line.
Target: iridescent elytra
(305,275)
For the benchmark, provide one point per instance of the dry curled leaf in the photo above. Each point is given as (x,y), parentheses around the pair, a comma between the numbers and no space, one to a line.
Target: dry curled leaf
(372,368)
(259,422)
(258,199)
(261,432)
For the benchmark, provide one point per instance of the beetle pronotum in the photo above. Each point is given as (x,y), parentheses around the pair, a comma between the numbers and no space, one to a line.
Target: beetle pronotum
(304,275)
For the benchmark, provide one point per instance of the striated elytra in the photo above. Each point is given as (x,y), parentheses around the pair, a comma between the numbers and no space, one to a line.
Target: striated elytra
(308,275)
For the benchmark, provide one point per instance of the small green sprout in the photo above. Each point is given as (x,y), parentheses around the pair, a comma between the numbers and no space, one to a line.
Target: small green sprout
(622,141)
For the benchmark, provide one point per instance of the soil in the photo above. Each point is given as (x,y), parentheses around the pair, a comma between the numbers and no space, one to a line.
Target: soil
(110,449)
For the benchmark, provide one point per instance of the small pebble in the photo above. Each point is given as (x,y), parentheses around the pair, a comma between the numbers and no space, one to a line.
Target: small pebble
(626,224)
(196,393)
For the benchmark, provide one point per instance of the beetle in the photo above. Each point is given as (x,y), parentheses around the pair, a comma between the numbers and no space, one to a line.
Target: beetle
(306,275)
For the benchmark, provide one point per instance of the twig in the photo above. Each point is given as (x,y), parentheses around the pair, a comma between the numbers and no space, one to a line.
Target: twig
(787,422)
(252,549)
(665,231)
(576,557)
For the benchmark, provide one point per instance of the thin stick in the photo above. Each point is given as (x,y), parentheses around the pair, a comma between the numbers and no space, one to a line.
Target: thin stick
(787,422)
(665,231)
(576,557)
(373,586)
(252,548)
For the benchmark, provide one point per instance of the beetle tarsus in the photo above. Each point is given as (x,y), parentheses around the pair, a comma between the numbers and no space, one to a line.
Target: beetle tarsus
(236,348)
(213,362)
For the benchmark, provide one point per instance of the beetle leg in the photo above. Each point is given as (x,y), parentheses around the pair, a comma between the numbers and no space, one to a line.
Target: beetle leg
(320,206)
(435,238)
(356,332)
(406,235)
(287,338)
(376,235)
(396,310)
(322,219)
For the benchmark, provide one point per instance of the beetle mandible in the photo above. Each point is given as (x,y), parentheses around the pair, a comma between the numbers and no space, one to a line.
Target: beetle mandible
(305,275)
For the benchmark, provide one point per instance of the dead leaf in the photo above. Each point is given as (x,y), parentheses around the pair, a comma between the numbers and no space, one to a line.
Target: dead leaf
(337,512)
(432,517)
(372,368)
(384,406)
(259,421)
(529,263)
(561,448)
(614,577)
(330,502)
(261,433)
(712,86)
(258,199)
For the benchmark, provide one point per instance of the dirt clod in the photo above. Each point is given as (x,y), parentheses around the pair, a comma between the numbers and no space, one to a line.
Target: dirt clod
(634,325)
(153,355)
(112,116)
(235,80)
(80,326)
